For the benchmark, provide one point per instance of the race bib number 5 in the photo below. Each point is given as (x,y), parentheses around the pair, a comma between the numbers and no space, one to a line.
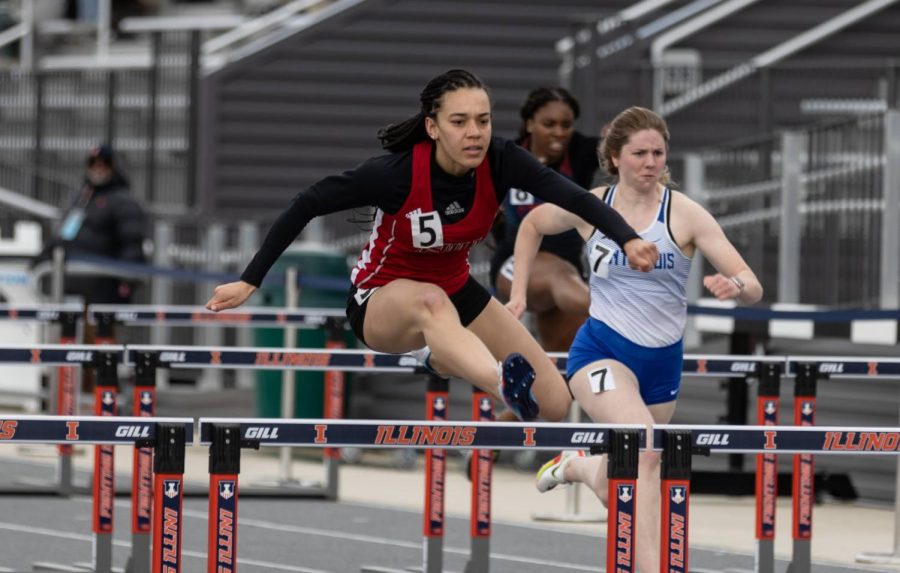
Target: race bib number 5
(599,257)
(427,231)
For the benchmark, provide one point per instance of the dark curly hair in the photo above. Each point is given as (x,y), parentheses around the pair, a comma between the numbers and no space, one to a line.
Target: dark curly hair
(539,97)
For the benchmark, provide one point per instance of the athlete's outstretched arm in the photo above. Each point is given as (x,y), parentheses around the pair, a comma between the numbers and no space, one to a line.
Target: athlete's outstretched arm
(329,195)
(546,219)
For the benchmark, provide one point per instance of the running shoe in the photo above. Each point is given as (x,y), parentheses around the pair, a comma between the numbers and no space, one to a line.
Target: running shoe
(551,474)
(516,378)
(423,355)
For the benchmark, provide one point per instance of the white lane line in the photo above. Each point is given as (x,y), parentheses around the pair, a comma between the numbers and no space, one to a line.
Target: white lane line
(344,536)
(19,528)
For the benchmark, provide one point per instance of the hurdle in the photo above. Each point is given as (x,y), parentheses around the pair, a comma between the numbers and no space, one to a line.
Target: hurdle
(66,357)
(703,366)
(166,435)
(840,367)
(63,394)
(621,442)
(332,320)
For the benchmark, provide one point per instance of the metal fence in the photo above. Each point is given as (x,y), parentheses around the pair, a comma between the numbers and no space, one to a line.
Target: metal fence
(808,209)
(52,116)
(791,94)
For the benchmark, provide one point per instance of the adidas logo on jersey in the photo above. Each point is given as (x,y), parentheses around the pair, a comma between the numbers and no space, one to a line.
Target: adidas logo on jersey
(453,209)
(414,212)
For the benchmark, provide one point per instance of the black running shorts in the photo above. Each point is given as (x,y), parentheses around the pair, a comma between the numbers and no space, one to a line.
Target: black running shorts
(469,301)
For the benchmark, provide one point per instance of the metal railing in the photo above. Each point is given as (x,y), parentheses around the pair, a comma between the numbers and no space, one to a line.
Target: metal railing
(52,117)
(811,211)
(763,60)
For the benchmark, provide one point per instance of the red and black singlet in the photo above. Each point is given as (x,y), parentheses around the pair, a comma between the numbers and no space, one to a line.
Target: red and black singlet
(412,243)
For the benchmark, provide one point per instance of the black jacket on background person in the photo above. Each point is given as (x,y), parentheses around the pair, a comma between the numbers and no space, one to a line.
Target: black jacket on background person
(113,226)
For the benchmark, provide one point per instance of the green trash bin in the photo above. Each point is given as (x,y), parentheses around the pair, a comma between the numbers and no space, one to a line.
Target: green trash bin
(311,261)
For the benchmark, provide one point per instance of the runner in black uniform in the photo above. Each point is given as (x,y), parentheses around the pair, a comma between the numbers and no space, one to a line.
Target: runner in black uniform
(557,292)
(436,197)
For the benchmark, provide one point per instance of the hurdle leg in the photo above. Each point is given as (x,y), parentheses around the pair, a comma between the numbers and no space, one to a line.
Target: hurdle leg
(335,383)
(105,394)
(480,516)
(437,400)
(142,467)
(767,406)
(168,482)
(622,470)
(675,489)
(803,482)
(66,401)
(224,467)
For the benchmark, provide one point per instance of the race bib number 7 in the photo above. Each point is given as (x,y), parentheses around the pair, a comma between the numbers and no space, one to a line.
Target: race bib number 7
(427,231)
(599,257)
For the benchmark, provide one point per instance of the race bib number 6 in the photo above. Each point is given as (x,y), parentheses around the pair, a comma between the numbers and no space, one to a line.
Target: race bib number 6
(599,257)
(519,197)
(427,231)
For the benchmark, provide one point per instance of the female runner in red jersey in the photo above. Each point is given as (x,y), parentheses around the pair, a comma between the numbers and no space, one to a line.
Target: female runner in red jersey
(436,195)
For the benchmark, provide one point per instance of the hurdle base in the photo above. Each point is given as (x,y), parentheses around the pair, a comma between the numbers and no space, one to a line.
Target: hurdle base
(283,488)
(41,487)
(49,566)
(73,568)
(878,558)
(570,517)
(91,567)
(377,569)
(140,558)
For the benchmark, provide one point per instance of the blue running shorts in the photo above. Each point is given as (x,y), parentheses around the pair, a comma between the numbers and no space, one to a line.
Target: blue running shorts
(658,370)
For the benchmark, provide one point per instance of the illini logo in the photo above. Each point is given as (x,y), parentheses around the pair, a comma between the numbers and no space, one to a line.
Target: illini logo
(170,487)
(226,489)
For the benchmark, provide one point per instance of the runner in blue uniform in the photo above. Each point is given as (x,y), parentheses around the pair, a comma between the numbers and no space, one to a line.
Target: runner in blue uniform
(625,363)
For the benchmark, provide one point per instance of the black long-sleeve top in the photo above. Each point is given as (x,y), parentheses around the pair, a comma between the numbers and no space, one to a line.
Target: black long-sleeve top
(384,182)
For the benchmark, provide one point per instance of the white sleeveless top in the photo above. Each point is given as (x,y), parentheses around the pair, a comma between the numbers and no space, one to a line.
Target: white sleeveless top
(649,309)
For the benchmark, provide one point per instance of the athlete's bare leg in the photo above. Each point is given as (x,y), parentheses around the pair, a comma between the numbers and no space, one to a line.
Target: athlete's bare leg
(557,329)
(623,405)
(503,335)
(405,315)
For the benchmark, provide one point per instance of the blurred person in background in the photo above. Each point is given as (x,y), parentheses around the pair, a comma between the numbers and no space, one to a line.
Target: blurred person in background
(625,364)
(557,291)
(103,219)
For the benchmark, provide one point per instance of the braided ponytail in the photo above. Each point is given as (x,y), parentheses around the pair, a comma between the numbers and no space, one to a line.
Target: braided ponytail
(402,136)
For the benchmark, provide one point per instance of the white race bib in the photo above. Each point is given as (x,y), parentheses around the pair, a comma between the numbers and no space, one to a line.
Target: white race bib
(427,232)
(599,257)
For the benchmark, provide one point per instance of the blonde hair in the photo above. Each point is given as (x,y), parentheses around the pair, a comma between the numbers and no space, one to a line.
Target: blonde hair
(626,124)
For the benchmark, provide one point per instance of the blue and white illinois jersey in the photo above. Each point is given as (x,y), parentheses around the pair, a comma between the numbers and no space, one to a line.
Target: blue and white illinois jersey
(649,309)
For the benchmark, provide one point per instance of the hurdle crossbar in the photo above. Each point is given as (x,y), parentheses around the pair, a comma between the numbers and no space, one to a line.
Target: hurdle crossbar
(167,435)
(357,360)
(185,315)
(418,434)
(57,354)
(39,312)
(847,366)
(790,439)
(90,430)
